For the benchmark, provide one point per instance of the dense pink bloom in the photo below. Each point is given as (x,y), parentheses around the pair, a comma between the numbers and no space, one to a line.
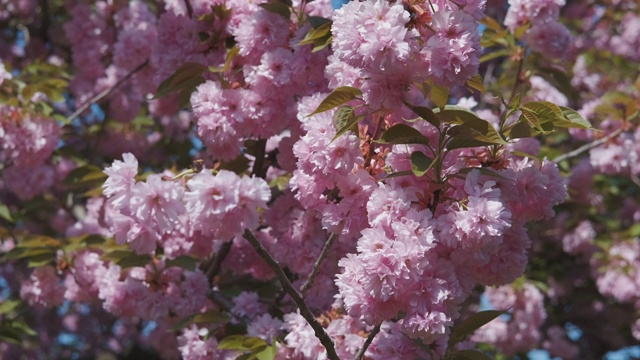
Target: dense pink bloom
(43,288)
(225,204)
(373,34)
(454,51)
(27,140)
(552,39)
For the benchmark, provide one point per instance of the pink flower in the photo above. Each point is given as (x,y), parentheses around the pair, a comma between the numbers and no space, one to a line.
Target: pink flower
(121,179)
(43,288)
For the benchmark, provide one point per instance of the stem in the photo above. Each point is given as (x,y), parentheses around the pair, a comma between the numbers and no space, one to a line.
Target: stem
(588,146)
(226,305)
(258,163)
(368,342)
(216,263)
(319,331)
(105,92)
(316,266)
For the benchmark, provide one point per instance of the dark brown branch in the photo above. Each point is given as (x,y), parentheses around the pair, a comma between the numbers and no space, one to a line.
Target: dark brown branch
(319,331)
(316,267)
(104,93)
(216,263)
(367,342)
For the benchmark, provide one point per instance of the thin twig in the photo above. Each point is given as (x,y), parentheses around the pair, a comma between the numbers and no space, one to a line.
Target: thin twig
(104,93)
(319,331)
(227,306)
(316,266)
(588,146)
(367,342)
(216,263)
(258,163)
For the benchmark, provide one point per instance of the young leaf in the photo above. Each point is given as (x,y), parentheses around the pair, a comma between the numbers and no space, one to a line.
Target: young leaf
(320,32)
(241,342)
(337,97)
(268,353)
(573,119)
(476,83)
(8,306)
(420,163)
(277,8)
(183,78)
(463,136)
(491,23)
(494,54)
(402,134)
(519,130)
(345,120)
(398,174)
(424,113)
(471,324)
(468,355)
(5,213)
(185,261)
(439,95)
(316,21)
(458,115)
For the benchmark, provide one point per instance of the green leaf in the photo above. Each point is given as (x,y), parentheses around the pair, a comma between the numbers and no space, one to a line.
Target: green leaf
(425,113)
(398,174)
(322,43)
(87,175)
(40,241)
(470,130)
(634,230)
(402,134)
(268,353)
(41,259)
(182,323)
(513,105)
(476,83)
(211,316)
(439,95)
(473,133)
(344,119)
(519,130)
(491,23)
(541,115)
(468,355)
(185,261)
(316,21)
(240,342)
(484,171)
(322,31)
(8,306)
(185,77)
(5,213)
(278,8)
(471,324)
(126,259)
(458,115)
(420,163)
(573,119)
(337,97)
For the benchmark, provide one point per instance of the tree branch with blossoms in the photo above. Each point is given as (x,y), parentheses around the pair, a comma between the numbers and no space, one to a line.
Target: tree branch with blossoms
(319,331)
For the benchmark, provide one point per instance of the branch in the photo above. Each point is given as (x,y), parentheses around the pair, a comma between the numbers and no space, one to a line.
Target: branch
(227,306)
(216,263)
(588,146)
(319,331)
(258,163)
(316,267)
(368,342)
(104,93)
